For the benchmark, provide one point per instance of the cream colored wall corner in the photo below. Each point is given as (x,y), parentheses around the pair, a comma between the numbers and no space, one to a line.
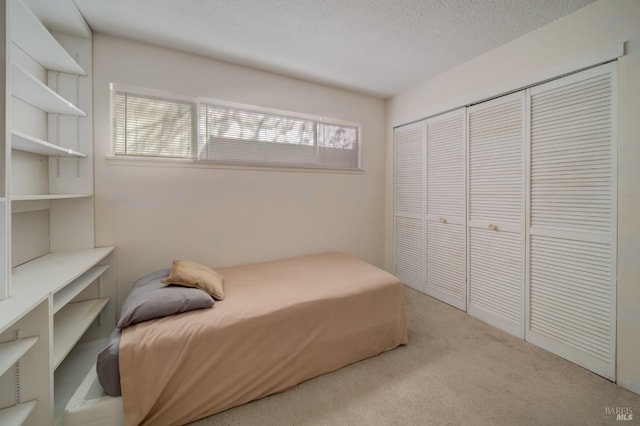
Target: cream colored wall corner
(568,40)
(628,212)
(223,217)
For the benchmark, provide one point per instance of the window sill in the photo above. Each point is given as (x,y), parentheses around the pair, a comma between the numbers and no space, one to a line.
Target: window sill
(180,162)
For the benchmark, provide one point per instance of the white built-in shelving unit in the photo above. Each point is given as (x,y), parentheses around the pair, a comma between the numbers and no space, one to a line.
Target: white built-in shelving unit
(57,290)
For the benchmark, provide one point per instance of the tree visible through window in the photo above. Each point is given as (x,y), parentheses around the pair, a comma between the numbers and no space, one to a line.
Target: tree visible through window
(228,123)
(237,135)
(156,127)
(152,127)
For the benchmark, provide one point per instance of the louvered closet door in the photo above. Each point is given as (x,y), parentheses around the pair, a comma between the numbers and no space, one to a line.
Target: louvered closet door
(446,207)
(409,205)
(572,242)
(496,212)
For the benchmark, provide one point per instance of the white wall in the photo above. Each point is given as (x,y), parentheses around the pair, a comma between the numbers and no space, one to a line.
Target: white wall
(155,213)
(539,53)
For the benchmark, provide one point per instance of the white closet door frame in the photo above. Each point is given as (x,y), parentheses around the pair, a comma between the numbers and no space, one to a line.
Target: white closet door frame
(515,328)
(604,369)
(447,289)
(418,218)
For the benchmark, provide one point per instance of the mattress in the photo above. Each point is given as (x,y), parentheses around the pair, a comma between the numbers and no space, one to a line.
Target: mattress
(280,323)
(90,406)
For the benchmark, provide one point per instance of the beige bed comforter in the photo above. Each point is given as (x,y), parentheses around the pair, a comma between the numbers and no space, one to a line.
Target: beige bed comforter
(281,323)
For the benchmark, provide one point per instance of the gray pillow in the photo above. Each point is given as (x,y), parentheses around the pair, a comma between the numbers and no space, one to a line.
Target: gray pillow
(108,367)
(150,299)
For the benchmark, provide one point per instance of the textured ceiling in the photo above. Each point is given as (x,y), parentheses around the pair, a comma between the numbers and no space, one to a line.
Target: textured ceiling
(378,47)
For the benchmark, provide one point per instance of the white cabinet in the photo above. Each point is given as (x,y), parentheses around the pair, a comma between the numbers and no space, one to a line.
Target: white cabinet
(446,208)
(409,205)
(496,212)
(572,222)
(429,207)
(541,213)
(56,288)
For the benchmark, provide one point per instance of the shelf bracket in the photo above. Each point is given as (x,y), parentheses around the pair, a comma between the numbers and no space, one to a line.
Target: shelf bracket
(100,317)
(77,83)
(77,118)
(57,89)
(18,396)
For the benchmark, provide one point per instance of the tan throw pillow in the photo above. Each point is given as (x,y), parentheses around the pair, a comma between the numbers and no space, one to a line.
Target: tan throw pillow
(191,274)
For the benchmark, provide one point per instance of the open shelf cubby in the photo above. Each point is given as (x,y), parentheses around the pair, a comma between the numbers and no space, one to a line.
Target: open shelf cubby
(36,93)
(28,33)
(17,414)
(70,323)
(27,143)
(11,352)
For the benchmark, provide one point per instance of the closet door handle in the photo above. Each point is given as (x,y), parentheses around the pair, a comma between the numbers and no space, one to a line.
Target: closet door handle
(443,220)
(492,227)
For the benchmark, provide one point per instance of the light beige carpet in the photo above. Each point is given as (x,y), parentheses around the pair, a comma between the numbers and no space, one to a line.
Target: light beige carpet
(456,370)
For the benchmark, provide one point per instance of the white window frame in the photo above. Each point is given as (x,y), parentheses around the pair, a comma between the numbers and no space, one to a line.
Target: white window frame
(194,161)
(151,93)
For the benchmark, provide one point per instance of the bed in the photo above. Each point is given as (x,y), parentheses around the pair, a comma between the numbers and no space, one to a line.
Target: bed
(280,323)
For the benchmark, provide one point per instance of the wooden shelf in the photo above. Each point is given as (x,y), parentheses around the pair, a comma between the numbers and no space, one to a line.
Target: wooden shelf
(65,295)
(11,352)
(37,197)
(28,33)
(17,414)
(34,281)
(34,92)
(70,323)
(27,143)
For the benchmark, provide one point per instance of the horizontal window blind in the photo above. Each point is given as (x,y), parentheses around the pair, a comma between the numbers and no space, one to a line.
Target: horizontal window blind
(240,135)
(149,124)
(152,127)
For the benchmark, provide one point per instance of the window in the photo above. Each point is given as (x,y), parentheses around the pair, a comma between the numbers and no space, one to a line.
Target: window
(231,134)
(150,126)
